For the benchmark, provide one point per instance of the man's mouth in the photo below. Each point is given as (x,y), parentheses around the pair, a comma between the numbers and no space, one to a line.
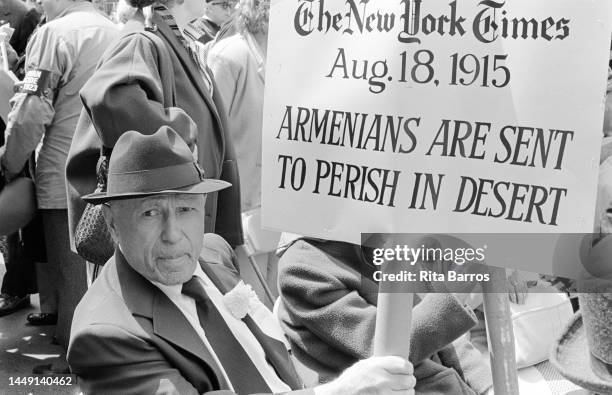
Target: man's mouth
(172,258)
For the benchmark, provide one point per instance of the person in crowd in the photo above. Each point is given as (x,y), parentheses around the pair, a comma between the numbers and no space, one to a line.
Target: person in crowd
(31,21)
(151,74)
(12,12)
(216,14)
(22,250)
(328,311)
(582,353)
(238,65)
(168,313)
(25,27)
(60,57)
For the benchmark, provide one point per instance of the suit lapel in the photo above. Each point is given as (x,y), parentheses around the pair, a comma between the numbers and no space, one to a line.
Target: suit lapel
(146,300)
(276,353)
(170,324)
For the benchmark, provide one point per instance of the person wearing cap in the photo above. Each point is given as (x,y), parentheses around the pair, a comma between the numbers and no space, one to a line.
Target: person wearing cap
(168,313)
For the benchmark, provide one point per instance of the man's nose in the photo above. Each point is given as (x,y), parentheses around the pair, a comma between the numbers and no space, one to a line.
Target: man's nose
(171,232)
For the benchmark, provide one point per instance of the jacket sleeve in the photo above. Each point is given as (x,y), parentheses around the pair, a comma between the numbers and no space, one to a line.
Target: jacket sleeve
(126,91)
(227,76)
(109,360)
(32,108)
(322,295)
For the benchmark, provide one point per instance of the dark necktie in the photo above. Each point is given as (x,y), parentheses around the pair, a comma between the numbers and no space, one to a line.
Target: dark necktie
(276,355)
(242,373)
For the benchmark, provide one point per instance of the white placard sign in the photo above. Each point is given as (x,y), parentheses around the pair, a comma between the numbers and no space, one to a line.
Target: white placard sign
(433,116)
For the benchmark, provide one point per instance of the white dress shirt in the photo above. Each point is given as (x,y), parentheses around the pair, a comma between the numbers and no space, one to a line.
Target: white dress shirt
(260,314)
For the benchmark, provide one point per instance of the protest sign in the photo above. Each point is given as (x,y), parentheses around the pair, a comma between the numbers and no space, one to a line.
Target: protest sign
(433,116)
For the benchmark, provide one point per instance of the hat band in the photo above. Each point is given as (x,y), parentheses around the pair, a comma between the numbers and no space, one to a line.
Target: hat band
(154,180)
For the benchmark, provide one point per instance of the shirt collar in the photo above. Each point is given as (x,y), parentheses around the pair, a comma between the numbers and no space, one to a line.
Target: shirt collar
(176,290)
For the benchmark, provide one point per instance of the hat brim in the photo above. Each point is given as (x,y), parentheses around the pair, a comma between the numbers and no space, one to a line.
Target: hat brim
(572,358)
(206,186)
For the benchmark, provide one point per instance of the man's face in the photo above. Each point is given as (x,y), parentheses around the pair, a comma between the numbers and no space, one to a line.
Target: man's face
(220,11)
(160,236)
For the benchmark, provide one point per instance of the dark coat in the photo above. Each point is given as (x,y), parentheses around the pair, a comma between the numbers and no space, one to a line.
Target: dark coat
(127,92)
(12,11)
(129,338)
(22,33)
(329,315)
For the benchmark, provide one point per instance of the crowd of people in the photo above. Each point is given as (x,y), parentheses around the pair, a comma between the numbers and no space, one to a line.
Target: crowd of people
(142,135)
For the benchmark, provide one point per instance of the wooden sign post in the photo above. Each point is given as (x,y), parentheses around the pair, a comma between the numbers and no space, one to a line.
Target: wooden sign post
(393,320)
(500,333)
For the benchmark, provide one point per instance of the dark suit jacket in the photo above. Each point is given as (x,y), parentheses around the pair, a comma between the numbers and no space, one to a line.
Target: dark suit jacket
(128,91)
(129,338)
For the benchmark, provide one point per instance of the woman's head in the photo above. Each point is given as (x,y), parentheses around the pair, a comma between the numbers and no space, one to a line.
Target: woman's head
(253,16)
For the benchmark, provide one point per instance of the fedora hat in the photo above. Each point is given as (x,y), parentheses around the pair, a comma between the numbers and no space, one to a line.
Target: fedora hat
(17,205)
(144,165)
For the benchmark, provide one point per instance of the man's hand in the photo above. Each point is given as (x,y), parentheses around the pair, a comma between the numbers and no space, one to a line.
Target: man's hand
(517,287)
(4,173)
(373,376)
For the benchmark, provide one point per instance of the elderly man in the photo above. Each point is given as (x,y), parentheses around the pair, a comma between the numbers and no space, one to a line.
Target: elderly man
(168,313)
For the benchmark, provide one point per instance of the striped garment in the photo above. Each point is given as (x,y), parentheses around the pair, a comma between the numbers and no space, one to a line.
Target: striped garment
(188,37)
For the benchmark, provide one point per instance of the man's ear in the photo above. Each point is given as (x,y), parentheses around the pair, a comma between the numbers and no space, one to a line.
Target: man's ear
(110,221)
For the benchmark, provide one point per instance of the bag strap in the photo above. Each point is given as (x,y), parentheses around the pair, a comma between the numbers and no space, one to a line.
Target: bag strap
(166,69)
(102,168)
